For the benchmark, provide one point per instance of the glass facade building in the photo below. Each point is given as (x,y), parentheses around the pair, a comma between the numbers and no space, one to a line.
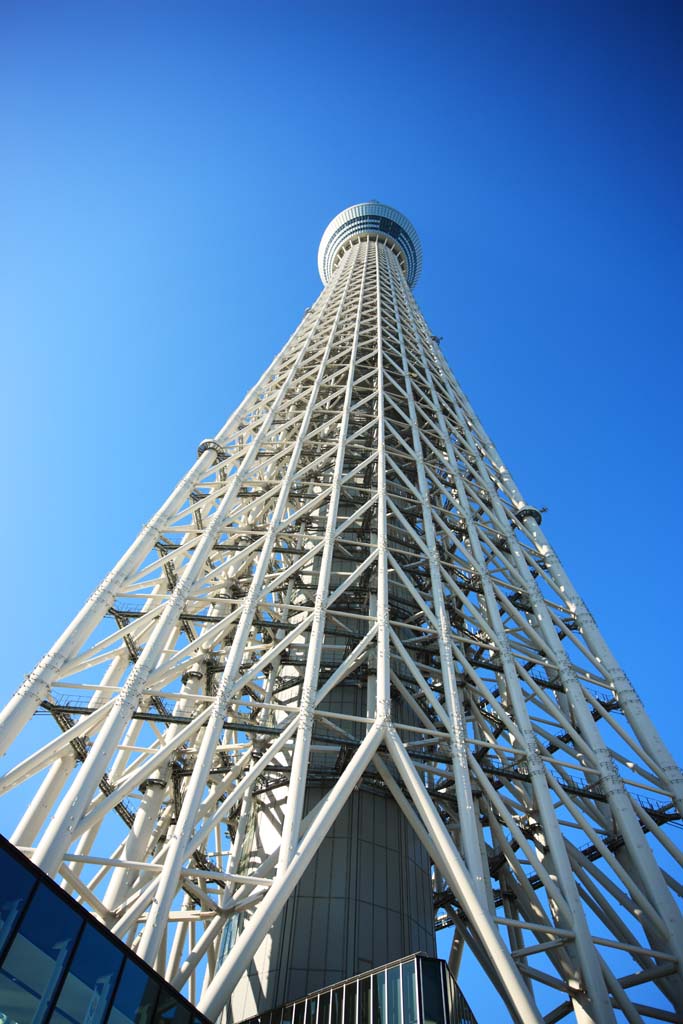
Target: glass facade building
(418,989)
(58,964)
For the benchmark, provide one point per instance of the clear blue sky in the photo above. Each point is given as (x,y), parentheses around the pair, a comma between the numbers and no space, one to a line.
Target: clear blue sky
(167,171)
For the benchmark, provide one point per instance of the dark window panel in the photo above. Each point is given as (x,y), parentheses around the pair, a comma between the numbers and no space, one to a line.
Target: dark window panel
(299,1013)
(17,882)
(87,989)
(432,1001)
(452,1000)
(379,1009)
(394,995)
(409,985)
(37,957)
(311,1011)
(350,999)
(324,1008)
(136,997)
(336,1006)
(288,1014)
(365,1002)
(170,1009)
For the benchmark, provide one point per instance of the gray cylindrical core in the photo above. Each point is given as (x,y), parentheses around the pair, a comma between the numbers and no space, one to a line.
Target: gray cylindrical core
(365,900)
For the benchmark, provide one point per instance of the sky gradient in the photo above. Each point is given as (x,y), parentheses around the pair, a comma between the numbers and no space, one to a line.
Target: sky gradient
(167,172)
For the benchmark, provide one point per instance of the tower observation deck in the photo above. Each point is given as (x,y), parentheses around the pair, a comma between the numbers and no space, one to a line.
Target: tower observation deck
(341,693)
(376,221)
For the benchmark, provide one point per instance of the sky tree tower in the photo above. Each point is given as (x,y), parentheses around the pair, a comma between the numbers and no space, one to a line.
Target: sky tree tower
(340,692)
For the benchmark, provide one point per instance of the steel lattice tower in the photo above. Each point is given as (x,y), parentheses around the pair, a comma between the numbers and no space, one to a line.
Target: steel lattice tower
(343,650)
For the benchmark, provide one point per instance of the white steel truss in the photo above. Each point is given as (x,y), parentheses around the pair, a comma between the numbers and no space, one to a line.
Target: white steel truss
(352,520)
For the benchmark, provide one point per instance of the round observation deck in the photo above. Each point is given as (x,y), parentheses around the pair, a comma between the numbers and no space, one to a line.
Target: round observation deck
(370,220)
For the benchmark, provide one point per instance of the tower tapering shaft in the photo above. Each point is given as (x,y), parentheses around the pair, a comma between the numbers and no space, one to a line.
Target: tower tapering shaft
(341,689)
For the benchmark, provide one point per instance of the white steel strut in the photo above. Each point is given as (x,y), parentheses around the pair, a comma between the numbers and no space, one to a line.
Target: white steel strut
(352,529)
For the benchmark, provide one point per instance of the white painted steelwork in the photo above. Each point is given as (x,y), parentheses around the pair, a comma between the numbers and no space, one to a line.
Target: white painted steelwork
(348,599)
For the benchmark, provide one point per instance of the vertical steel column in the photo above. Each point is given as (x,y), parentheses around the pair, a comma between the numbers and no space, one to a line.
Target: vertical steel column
(299,771)
(467,809)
